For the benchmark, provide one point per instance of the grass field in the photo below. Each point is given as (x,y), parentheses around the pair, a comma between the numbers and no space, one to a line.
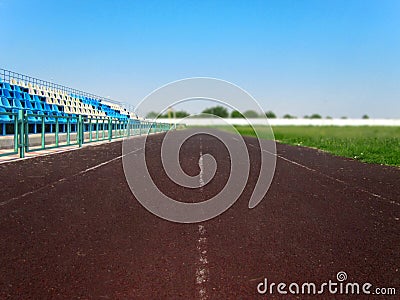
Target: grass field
(379,145)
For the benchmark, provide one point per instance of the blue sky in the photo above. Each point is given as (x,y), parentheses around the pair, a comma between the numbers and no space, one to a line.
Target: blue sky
(337,58)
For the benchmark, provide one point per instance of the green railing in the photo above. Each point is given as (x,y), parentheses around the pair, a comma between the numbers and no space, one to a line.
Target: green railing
(54,137)
(12,119)
(26,132)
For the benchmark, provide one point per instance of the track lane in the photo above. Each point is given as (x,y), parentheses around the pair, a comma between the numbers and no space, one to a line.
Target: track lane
(88,237)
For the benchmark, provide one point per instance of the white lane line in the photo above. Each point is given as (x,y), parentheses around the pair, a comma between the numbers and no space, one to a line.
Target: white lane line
(66,178)
(202,271)
(380,197)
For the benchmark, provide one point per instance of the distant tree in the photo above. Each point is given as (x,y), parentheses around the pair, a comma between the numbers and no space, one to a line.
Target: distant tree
(270,114)
(151,115)
(329,117)
(219,111)
(178,114)
(315,116)
(288,116)
(236,114)
(306,117)
(344,117)
(365,117)
(181,114)
(251,114)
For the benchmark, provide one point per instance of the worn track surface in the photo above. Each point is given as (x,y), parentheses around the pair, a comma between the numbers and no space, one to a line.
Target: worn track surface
(71,230)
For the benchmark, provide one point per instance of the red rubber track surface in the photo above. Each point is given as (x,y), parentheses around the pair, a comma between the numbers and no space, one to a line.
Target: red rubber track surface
(67,233)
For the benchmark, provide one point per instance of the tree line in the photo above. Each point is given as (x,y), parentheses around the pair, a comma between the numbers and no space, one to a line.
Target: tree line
(222,112)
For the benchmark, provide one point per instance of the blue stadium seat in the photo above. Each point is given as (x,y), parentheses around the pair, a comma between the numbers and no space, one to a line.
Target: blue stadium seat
(6,85)
(26,96)
(27,104)
(57,112)
(5,103)
(5,118)
(46,110)
(73,119)
(49,110)
(37,106)
(5,93)
(16,88)
(15,103)
(16,95)
(36,98)
(47,107)
(55,108)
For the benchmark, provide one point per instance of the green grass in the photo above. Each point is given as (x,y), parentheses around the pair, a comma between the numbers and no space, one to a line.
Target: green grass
(371,144)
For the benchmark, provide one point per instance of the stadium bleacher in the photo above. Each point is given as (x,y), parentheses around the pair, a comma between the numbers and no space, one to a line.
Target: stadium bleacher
(30,106)
(41,99)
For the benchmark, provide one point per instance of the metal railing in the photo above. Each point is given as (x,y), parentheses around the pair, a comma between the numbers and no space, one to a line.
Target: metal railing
(26,132)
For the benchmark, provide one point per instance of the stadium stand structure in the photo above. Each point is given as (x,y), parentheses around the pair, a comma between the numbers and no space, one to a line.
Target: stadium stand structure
(30,107)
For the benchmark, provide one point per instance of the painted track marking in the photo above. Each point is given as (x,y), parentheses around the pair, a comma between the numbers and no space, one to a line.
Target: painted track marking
(360,189)
(202,271)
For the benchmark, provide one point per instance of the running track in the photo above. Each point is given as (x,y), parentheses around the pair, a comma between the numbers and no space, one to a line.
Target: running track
(71,229)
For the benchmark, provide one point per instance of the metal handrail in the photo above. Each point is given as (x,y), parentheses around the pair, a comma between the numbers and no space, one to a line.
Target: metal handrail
(7,76)
(84,127)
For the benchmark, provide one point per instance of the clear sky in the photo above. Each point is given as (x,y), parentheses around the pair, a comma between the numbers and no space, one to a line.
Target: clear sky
(337,58)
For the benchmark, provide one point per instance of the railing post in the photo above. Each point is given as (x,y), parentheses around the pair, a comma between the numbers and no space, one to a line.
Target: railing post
(80,131)
(68,132)
(102,133)
(26,131)
(109,129)
(43,133)
(97,129)
(57,132)
(16,133)
(90,128)
(21,123)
